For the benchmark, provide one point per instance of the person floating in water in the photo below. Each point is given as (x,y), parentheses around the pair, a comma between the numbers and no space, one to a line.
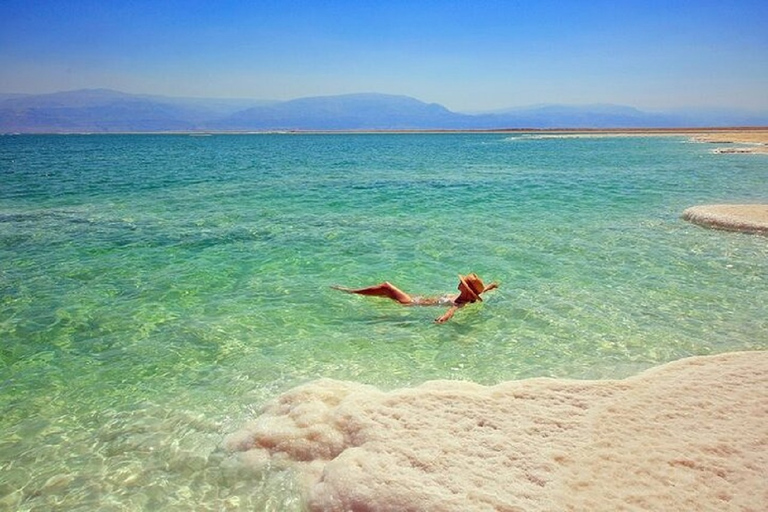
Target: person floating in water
(470,288)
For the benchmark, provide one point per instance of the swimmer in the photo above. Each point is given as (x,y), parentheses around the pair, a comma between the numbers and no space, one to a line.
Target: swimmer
(470,288)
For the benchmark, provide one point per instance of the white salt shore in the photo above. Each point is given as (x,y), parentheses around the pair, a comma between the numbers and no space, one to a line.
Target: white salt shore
(746,218)
(689,435)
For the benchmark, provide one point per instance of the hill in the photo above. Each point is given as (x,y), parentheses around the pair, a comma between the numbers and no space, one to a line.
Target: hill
(108,111)
(347,112)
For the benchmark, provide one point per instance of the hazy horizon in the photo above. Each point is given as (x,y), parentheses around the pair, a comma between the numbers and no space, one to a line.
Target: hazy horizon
(469,58)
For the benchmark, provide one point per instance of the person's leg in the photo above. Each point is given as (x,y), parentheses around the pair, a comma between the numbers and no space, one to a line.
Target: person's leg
(385,289)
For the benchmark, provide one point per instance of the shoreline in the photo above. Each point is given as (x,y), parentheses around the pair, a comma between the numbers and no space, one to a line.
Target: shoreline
(735,134)
(745,140)
(692,433)
(751,141)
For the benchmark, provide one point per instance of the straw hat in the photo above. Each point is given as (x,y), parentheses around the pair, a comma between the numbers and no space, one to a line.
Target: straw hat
(473,284)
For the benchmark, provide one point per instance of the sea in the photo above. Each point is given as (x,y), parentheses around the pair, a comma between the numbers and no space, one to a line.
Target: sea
(157,290)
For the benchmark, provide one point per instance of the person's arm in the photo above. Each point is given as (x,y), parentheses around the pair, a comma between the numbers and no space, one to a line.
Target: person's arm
(448,314)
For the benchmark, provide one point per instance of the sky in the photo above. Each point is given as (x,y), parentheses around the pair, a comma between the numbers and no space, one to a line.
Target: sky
(470,56)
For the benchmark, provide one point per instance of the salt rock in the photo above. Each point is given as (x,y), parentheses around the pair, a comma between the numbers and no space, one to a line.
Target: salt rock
(689,435)
(745,218)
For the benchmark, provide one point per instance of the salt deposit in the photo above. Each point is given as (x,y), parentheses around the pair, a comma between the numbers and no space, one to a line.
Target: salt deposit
(746,218)
(689,435)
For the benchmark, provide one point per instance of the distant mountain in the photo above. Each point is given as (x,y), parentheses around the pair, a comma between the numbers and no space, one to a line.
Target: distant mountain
(97,110)
(583,116)
(718,117)
(620,116)
(10,96)
(104,110)
(347,112)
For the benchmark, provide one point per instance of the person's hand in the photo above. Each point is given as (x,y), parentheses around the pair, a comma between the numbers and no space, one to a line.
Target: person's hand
(447,315)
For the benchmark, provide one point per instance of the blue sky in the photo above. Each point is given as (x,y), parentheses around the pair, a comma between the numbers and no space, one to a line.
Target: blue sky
(467,55)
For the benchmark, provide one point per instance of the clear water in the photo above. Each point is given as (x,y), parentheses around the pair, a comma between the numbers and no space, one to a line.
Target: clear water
(155,290)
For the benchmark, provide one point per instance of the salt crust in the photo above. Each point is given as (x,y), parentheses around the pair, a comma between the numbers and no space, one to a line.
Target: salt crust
(689,435)
(746,218)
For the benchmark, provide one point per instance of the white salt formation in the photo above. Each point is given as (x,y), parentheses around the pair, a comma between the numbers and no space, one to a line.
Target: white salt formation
(746,218)
(689,435)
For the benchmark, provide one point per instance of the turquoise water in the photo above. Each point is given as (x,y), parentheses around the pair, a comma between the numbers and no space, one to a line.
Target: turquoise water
(155,290)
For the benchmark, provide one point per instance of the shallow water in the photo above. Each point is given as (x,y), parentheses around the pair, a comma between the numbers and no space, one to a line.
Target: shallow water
(155,290)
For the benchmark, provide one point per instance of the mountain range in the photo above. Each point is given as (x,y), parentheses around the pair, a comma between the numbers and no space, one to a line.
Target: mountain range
(106,111)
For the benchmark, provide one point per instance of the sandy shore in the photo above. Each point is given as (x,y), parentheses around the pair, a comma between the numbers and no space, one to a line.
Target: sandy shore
(689,435)
(744,140)
(755,141)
